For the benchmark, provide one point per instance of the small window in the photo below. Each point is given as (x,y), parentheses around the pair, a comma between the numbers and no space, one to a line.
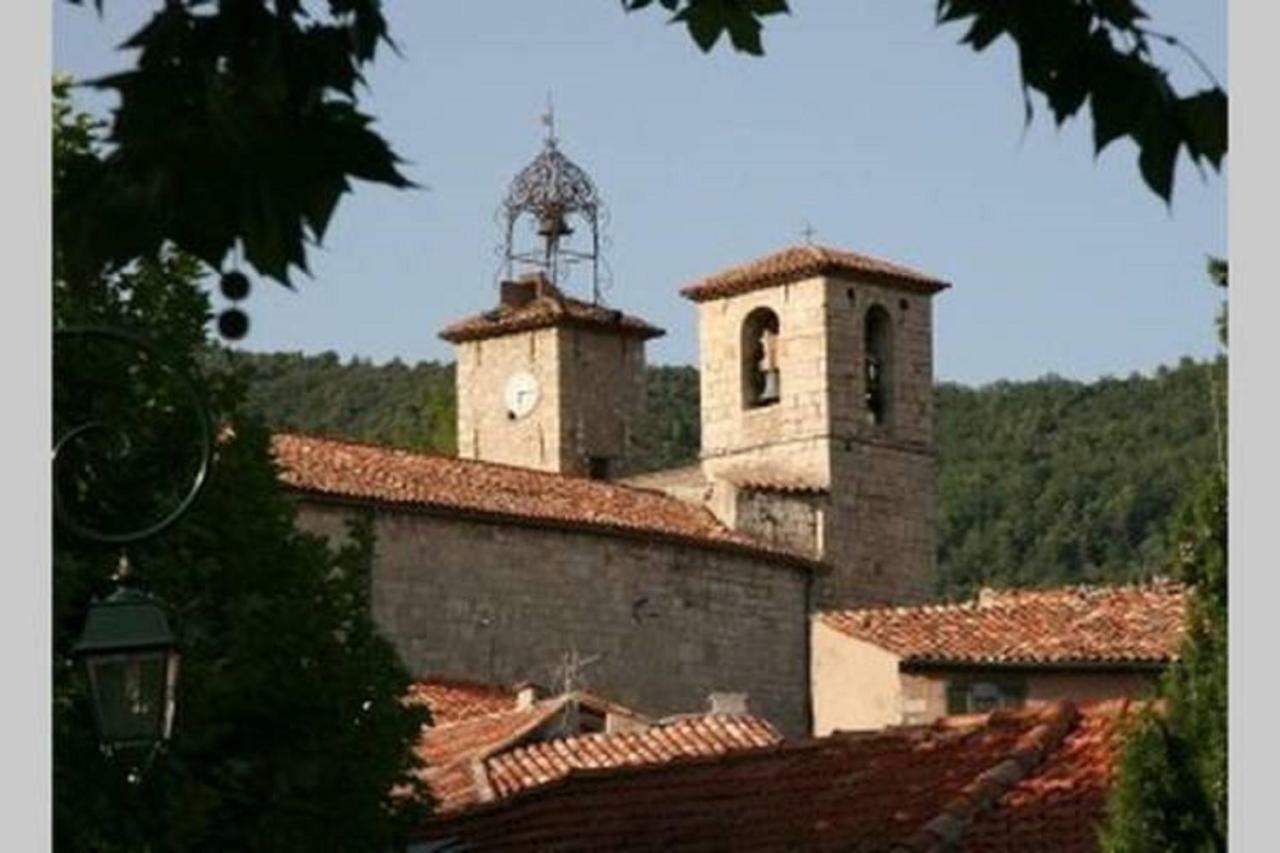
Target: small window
(877,368)
(980,695)
(598,467)
(761,375)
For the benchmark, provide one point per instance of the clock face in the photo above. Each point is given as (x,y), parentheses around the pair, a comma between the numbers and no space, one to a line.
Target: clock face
(521,394)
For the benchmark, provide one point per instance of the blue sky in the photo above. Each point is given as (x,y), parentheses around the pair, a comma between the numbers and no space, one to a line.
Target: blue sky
(865,119)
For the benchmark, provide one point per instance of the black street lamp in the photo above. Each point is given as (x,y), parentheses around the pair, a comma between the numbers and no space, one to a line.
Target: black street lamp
(131,657)
(129,651)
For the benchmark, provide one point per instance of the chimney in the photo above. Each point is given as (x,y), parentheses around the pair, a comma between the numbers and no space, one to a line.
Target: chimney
(727,703)
(518,293)
(526,288)
(527,693)
(988,596)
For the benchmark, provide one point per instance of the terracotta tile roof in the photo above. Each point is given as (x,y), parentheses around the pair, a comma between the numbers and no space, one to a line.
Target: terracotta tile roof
(548,307)
(348,470)
(906,789)
(708,734)
(454,753)
(767,478)
(1065,799)
(453,699)
(486,756)
(805,261)
(1137,624)
(482,735)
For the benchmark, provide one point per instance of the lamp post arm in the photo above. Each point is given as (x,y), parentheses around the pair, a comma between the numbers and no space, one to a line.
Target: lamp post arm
(191,391)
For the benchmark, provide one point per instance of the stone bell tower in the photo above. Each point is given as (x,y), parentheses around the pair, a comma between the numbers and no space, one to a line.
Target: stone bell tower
(817,413)
(546,380)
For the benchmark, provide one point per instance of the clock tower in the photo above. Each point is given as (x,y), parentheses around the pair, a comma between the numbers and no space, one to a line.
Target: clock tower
(546,380)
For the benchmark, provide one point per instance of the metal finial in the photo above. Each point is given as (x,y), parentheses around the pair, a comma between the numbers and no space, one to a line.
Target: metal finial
(549,121)
(807,233)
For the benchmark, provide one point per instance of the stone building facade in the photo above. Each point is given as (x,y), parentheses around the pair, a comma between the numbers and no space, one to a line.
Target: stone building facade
(666,624)
(549,382)
(496,573)
(848,421)
(814,488)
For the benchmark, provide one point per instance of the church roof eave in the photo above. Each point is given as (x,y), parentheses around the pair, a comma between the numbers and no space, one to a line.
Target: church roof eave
(795,263)
(343,471)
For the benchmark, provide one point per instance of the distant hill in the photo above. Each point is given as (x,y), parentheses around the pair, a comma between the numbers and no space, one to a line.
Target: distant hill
(1042,482)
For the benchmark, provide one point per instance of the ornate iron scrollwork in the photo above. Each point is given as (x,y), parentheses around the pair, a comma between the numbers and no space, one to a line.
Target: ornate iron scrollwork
(553,190)
(76,433)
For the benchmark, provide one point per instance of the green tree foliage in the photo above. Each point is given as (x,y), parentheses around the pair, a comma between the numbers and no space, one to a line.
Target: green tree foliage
(239,124)
(1070,51)
(1040,482)
(387,404)
(669,431)
(290,732)
(1171,785)
(1054,481)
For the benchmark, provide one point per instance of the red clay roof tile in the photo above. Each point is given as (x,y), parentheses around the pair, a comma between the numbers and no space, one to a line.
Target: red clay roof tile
(548,308)
(1065,799)
(483,756)
(1141,623)
(712,734)
(799,262)
(1008,778)
(453,699)
(343,469)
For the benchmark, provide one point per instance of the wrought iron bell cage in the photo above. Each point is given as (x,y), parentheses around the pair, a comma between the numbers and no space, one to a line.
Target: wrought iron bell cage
(553,191)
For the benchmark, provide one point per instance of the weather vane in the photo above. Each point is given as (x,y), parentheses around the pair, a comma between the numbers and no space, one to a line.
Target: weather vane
(807,233)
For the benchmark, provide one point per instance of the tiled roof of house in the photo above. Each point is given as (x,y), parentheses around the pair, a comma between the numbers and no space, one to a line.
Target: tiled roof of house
(708,734)
(1063,800)
(805,261)
(497,754)
(454,753)
(914,788)
(451,700)
(1136,624)
(548,308)
(770,478)
(342,469)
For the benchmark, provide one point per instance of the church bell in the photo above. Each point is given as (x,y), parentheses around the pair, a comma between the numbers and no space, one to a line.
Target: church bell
(552,226)
(769,393)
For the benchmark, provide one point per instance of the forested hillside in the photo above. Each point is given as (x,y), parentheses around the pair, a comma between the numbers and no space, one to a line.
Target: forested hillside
(1042,482)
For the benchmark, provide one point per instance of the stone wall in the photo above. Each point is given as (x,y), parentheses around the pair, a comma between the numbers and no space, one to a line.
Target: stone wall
(671,623)
(878,523)
(485,430)
(881,524)
(793,521)
(591,390)
(602,389)
(790,434)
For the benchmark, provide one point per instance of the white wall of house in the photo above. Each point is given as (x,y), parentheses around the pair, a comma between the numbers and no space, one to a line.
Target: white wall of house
(855,684)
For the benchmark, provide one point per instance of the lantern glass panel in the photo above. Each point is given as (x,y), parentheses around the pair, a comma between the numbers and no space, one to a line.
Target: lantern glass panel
(131,695)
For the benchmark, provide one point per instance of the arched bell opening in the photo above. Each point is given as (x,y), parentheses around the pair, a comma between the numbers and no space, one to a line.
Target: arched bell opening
(877,336)
(761,372)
